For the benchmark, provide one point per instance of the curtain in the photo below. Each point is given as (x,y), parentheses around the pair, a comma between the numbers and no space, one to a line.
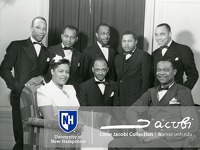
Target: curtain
(120,15)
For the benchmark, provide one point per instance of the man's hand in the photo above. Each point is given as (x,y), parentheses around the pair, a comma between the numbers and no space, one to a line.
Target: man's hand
(35,81)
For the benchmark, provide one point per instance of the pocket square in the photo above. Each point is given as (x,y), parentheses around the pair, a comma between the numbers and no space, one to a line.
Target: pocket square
(78,64)
(176,59)
(112,94)
(174,101)
(48,59)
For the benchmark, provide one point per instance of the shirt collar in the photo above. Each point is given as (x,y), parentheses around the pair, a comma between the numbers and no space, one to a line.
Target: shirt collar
(169,85)
(98,79)
(33,40)
(169,43)
(100,45)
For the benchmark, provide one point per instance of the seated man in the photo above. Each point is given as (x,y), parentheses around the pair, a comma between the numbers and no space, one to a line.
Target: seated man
(98,91)
(170,109)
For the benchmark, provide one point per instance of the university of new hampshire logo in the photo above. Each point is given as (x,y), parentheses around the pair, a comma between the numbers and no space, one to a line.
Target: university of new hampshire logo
(68,120)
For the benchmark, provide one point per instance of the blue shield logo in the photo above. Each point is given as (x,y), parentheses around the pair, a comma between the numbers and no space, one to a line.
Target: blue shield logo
(68,120)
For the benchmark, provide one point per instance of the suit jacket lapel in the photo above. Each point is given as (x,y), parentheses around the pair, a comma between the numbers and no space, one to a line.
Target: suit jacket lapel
(131,60)
(30,50)
(60,51)
(166,98)
(170,52)
(99,52)
(74,63)
(42,57)
(107,92)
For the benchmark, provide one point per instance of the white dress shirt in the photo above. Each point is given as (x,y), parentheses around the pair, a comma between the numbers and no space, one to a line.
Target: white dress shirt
(164,50)
(101,86)
(68,53)
(36,46)
(163,92)
(104,50)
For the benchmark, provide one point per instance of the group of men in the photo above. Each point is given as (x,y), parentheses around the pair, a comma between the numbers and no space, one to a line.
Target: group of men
(100,75)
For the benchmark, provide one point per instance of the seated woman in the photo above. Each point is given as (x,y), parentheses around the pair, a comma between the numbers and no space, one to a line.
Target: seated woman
(55,95)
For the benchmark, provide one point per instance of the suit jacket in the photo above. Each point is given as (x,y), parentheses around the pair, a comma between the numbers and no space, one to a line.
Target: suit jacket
(166,110)
(88,56)
(21,56)
(74,76)
(134,76)
(90,94)
(184,61)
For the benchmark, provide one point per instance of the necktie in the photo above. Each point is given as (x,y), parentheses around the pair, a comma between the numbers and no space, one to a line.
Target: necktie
(68,48)
(38,43)
(163,88)
(126,53)
(103,82)
(106,45)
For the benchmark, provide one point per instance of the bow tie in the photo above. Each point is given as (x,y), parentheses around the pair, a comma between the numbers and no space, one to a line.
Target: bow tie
(106,45)
(68,48)
(38,43)
(162,47)
(163,88)
(102,82)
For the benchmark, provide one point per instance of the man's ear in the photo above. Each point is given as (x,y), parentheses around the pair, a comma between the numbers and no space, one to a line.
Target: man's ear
(52,72)
(175,71)
(93,69)
(96,34)
(76,39)
(107,69)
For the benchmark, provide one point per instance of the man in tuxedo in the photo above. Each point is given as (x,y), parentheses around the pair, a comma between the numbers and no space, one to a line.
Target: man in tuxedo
(65,49)
(101,48)
(181,54)
(98,91)
(167,105)
(29,59)
(134,70)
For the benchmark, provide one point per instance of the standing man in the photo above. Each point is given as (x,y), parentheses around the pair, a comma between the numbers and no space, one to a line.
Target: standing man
(101,48)
(29,60)
(65,49)
(181,54)
(98,91)
(134,70)
(167,104)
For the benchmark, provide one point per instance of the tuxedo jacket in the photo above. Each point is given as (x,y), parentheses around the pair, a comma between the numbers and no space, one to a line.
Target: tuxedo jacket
(90,94)
(21,56)
(175,105)
(184,61)
(134,76)
(74,76)
(88,56)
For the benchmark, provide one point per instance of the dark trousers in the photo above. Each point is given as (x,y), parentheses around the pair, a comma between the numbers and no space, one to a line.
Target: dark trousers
(16,119)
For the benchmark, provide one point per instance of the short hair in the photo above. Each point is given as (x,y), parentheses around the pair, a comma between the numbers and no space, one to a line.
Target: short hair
(100,59)
(130,33)
(72,28)
(101,24)
(166,25)
(54,64)
(38,17)
(173,63)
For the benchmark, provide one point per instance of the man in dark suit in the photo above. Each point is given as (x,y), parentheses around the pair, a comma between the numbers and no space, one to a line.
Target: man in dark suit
(181,54)
(134,70)
(101,48)
(29,59)
(98,91)
(65,49)
(168,106)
